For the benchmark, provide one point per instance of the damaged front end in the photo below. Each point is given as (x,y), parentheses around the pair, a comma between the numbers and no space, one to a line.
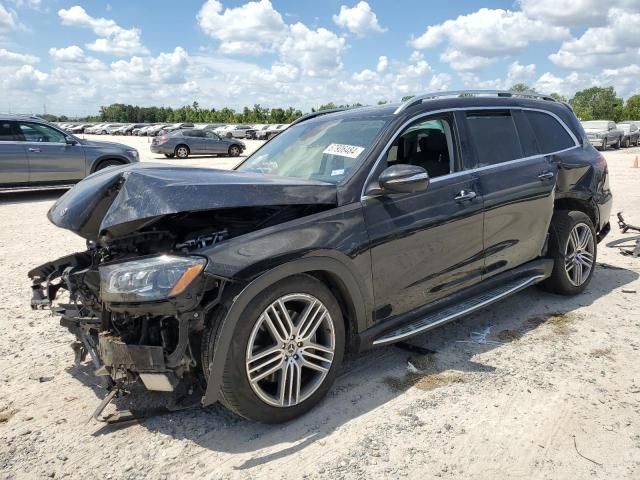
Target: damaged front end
(140,299)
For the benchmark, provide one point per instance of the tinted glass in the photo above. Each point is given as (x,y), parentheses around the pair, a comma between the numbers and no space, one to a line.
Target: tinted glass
(6,132)
(35,132)
(525,133)
(494,136)
(551,135)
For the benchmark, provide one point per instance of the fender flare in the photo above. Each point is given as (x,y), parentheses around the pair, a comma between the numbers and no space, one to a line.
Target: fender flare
(96,163)
(240,302)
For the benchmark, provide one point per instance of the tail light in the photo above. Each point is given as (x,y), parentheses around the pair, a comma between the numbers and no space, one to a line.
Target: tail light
(601,162)
(163,139)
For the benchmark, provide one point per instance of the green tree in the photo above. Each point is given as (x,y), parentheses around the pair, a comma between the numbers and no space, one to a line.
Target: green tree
(597,103)
(522,87)
(557,97)
(632,108)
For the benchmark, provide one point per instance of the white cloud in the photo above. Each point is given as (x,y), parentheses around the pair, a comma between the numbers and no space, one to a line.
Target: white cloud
(33,4)
(614,45)
(383,63)
(113,40)
(72,53)
(27,77)
(170,67)
(365,75)
(7,57)
(477,38)
(8,19)
(317,52)
(359,20)
(251,29)
(518,73)
(439,82)
(575,13)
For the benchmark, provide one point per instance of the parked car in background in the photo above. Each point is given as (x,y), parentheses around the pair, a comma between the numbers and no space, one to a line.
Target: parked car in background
(271,132)
(631,133)
(351,230)
(112,129)
(79,128)
(252,133)
(156,129)
(35,153)
(94,128)
(128,129)
(239,131)
(210,126)
(175,126)
(184,142)
(224,130)
(142,131)
(603,133)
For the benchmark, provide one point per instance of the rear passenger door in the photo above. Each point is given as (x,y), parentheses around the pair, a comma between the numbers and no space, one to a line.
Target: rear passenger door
(517,181)
(14,163)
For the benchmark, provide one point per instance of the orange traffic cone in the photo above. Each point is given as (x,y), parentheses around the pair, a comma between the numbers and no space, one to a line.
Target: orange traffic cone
(635,162)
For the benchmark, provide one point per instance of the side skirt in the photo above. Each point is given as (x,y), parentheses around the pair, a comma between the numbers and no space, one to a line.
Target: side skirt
(458,305)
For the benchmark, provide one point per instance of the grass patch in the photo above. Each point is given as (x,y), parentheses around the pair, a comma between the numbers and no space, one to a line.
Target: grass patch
(560,322)
(508,335)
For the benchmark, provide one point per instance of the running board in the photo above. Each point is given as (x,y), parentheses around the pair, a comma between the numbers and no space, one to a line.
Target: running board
(453,312)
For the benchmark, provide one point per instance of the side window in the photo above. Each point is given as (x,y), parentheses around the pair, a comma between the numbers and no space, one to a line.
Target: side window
(35,132)
(551,135)
(211,135)
(7,132)
(494,136)
(429,144)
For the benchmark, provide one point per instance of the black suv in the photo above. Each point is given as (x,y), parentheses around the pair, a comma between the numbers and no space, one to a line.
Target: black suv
(350,230)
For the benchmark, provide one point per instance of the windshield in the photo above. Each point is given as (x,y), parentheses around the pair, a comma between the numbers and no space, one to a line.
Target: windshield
(324,149)
(595,124)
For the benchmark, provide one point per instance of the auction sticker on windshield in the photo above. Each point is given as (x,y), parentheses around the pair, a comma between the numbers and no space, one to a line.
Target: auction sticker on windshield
(349,151)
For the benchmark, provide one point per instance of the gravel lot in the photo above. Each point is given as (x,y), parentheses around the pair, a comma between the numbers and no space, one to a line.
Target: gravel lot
(554,392)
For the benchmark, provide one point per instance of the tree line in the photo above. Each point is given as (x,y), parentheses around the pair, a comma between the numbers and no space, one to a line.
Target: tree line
(595,103)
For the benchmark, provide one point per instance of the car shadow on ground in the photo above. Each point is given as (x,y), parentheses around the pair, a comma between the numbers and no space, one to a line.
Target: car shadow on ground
(368,381)
(29,196)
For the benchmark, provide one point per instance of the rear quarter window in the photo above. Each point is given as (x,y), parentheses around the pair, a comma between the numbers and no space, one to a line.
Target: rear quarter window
(550,134)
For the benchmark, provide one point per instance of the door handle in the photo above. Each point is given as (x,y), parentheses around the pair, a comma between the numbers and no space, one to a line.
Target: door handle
(465,196)
(36,150)
(546,175)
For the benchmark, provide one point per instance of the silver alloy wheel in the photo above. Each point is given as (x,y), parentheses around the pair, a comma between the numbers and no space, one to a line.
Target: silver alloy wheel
(182,152)
(579,254)
(290,350)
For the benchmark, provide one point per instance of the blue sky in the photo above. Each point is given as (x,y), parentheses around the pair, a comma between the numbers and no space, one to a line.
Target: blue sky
(74,56)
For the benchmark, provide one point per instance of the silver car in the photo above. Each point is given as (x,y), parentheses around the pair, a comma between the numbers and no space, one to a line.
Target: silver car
(182,143)
(631,133)
(34,153)
(603,133)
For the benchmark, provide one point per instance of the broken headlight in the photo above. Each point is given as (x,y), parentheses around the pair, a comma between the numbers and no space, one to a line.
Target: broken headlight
(148,279)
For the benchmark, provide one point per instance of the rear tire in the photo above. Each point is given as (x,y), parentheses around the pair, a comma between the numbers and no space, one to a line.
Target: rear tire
(181,151)
(573,247)
(618,144)
(626,143)
(276,398)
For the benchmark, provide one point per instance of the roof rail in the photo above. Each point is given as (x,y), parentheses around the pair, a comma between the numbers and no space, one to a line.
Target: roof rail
(311,115)
(462,93)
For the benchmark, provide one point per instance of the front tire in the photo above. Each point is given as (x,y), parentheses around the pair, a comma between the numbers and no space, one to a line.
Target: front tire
(108,163)
(618,144)
(573,247)
(626,143)
(285,352)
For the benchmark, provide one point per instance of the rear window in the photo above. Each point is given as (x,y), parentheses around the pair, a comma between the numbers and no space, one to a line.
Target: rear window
(494,136)
(551,135)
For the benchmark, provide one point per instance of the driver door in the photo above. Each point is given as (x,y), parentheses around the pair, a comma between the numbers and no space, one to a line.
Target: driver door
(214,143)
(426,245)
(51,158)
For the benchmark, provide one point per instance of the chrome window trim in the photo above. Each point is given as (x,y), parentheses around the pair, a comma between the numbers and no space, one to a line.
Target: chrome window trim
(577,144)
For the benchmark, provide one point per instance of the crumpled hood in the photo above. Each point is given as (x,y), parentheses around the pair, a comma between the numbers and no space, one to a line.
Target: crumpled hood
(124,199)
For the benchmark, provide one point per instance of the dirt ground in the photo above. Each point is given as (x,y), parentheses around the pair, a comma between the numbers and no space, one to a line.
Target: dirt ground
(546,388)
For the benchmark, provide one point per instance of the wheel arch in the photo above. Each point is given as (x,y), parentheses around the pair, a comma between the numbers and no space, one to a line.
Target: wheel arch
(582,205)
(330,271)
(105,158)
